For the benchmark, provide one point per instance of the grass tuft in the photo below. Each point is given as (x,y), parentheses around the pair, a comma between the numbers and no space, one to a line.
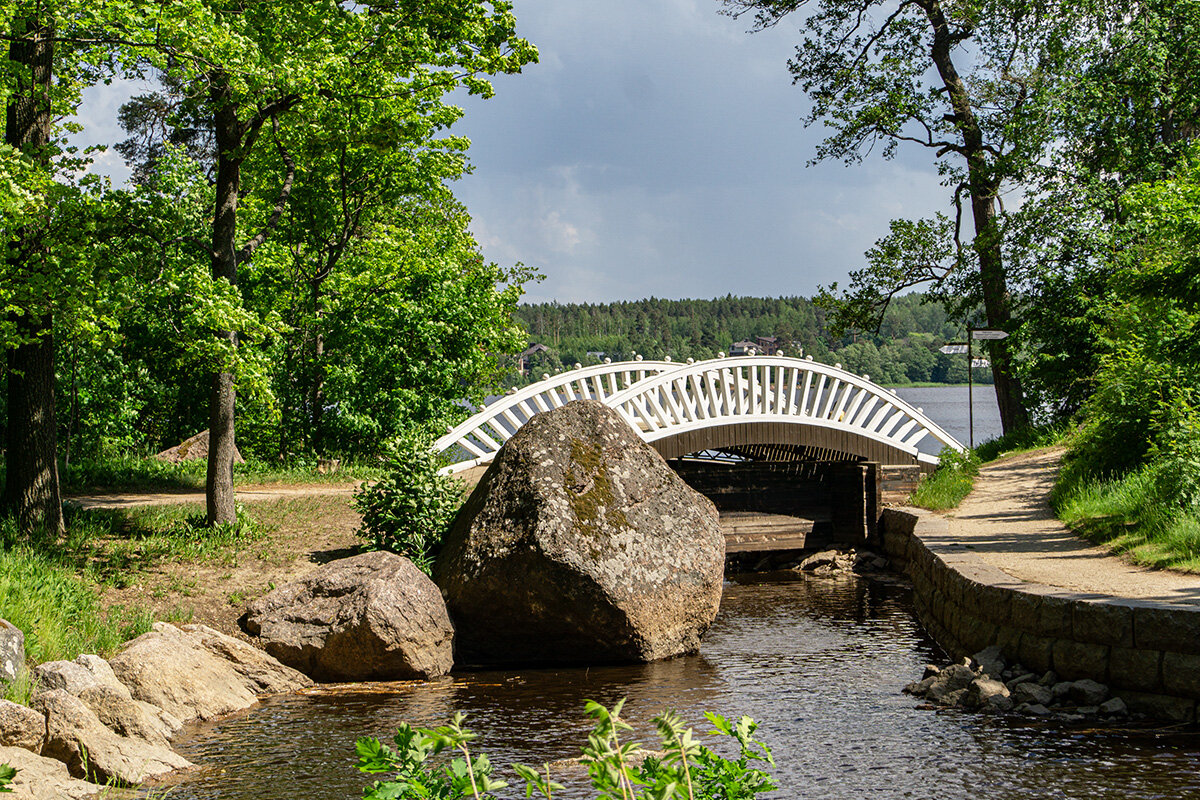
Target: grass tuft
(1125,515)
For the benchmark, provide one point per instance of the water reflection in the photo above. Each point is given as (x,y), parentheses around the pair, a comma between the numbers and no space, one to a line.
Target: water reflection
(817,660)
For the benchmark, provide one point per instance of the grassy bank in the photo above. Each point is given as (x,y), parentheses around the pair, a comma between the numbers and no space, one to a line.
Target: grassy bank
(1128,515)
(945,487)
(117,571)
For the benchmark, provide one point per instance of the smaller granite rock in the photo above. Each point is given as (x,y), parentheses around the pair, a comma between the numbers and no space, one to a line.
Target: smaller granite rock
(374,616)
(263,673)
(77,737)
(92,680)
(953,678)
(982,690)
(21,726)
(12,652)
(1050,678)
(67,676)
(1034,709)
(168,668)
(1087,692)
(931,671)
(991,661)
(1032,693)
(41,778)
(1060,689)
(998,703)
(1114,707)
(133,718)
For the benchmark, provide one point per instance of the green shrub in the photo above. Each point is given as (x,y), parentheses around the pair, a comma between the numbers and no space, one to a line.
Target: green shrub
(7,773)
(1022,439)
(683,768)
(1175,454)
(947,485)
(411,508)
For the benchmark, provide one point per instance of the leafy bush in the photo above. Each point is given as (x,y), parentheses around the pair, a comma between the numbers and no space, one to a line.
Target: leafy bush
(1175,454)
(7,773)
(410,509)
(683,769)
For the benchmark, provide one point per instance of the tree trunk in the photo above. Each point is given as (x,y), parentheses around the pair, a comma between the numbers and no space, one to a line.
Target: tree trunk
(983,189)
(219,492)
(317,390)
(31,489)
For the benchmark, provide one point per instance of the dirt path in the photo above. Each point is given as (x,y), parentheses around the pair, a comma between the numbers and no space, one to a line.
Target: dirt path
(245,494)
(1008,523)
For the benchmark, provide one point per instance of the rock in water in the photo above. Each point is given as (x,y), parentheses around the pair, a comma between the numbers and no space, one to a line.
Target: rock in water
(581,546)
(370,617)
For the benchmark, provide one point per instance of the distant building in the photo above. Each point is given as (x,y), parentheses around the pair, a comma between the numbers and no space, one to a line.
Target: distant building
(767,345)
(762,345)
(523,358)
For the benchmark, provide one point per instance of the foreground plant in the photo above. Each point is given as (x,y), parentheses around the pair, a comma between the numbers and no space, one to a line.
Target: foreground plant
(684,769)
(7,773)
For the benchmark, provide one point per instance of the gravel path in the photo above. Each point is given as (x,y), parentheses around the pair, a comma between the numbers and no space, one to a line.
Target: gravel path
(244,494)
(1008,523)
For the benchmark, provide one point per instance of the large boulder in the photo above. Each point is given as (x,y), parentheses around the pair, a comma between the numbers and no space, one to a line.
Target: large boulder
(373,616)
(178,672)
(41,778)
(581,546)
(77,737)
(12,652)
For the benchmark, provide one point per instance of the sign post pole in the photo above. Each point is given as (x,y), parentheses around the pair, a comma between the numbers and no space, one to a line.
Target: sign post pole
(971,386)
(990,334)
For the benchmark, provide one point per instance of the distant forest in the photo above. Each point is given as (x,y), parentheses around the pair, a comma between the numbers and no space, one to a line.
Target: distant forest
(905,349)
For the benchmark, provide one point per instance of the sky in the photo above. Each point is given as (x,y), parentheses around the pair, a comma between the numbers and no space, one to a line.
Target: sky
(656,149)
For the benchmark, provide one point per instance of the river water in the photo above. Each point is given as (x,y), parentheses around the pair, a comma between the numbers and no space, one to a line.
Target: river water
(819,661)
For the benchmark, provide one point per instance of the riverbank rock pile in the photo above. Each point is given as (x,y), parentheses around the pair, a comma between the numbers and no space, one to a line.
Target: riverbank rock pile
(985,682)
(111,722)
(841,562)
(580,545)
(373,616)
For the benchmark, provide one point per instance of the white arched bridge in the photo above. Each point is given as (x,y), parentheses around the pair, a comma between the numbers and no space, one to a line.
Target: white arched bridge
(724,404)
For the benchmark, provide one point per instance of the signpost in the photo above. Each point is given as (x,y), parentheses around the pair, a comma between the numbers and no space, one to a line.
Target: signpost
(955,348)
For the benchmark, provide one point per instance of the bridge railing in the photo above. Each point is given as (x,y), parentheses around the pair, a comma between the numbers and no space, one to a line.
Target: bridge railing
(775,389)
(663,398)
(477,439)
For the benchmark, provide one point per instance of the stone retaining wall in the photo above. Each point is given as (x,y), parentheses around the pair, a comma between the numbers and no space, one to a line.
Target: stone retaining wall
(1147,652)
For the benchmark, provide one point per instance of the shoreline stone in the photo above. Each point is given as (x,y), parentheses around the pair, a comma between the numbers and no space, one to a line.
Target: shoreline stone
(373,616)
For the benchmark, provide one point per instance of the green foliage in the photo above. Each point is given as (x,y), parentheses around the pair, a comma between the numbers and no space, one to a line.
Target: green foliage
(1174,457)
(467,776)
(7,774)
(58,610)
(947,485)
(1127,515)
(1017,441)
(903,351)
(411,508)
(684,769)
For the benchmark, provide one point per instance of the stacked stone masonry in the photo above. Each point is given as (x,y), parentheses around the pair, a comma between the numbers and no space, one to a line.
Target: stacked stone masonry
(1147,652)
